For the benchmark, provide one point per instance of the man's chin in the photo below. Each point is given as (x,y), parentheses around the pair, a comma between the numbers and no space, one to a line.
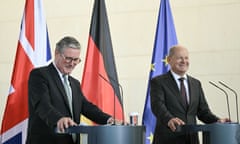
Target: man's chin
(68,72)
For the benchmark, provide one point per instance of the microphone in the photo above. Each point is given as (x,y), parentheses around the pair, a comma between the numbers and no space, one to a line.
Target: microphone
(114,98)
(236,97)
(226,97)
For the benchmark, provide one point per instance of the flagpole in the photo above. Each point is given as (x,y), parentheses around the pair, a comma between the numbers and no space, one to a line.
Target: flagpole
(165,37)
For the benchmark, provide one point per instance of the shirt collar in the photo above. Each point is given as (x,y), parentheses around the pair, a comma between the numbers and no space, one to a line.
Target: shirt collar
(176,76)
(59,73)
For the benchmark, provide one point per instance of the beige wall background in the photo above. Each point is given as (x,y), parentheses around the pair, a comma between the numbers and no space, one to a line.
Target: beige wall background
(210,29)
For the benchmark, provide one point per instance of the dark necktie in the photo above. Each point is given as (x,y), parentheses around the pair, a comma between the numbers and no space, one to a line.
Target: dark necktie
(183,91)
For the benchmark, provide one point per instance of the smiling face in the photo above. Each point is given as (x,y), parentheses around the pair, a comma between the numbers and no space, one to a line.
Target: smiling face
(179,60)
(67,59)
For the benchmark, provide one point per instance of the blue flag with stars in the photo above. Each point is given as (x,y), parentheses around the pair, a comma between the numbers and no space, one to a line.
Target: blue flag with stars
(165,38)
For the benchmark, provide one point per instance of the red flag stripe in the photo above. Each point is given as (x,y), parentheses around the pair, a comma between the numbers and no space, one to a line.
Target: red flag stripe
(13,114)
(100,81)
(98,90)
(100,34)
(29,18)
(33,50)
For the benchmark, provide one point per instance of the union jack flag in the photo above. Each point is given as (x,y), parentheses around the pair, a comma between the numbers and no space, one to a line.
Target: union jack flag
(33,50)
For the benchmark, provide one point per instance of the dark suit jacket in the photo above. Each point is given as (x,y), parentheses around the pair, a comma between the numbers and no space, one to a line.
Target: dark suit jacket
(166,103)
(48,103)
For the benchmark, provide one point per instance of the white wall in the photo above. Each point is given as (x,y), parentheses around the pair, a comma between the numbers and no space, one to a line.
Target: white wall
(209,28)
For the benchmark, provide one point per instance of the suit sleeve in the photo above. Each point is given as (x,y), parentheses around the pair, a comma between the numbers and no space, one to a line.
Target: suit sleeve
(158,102)
(87,108)
(39,99)
(92,112)
(204,112)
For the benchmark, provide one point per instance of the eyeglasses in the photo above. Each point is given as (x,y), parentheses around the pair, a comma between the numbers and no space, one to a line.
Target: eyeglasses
(70,59)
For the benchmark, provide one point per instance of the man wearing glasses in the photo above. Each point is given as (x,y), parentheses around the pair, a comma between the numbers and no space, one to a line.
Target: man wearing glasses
(55,99)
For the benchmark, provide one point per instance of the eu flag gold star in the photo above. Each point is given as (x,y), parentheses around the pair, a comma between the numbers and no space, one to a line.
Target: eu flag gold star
(150,138)
(153,67)
(165,60)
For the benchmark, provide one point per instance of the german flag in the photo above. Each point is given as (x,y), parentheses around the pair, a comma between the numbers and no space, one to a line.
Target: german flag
(100,80)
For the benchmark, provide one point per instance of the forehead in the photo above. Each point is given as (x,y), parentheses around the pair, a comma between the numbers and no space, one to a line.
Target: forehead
(70,49)
(180,52)
(71,52)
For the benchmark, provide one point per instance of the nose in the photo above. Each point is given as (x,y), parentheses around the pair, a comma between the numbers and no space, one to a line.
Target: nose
(72,63)
(184,60)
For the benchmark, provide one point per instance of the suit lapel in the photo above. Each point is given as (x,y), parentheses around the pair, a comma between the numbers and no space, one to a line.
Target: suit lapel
(174,88)
(74,97)
(190,91)
(59,84)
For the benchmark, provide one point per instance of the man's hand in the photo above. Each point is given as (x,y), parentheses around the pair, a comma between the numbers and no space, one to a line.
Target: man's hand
(112,121)
(224,120)
(172,123)
(64,123)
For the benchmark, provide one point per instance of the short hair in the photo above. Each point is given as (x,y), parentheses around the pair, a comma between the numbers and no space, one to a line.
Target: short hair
(67,42)
(172,50)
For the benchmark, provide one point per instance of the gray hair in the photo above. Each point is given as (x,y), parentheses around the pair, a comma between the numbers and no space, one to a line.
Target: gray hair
(67,42)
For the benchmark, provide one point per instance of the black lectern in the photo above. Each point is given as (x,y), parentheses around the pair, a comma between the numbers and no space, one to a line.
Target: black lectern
(111,134)
(216,133)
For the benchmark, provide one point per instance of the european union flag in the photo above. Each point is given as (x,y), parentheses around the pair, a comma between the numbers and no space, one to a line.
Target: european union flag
(164,39)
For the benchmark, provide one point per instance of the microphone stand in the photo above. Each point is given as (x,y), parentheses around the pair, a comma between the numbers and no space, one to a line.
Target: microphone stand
(121,94)
(226,97)
(114,99)
(235,93)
